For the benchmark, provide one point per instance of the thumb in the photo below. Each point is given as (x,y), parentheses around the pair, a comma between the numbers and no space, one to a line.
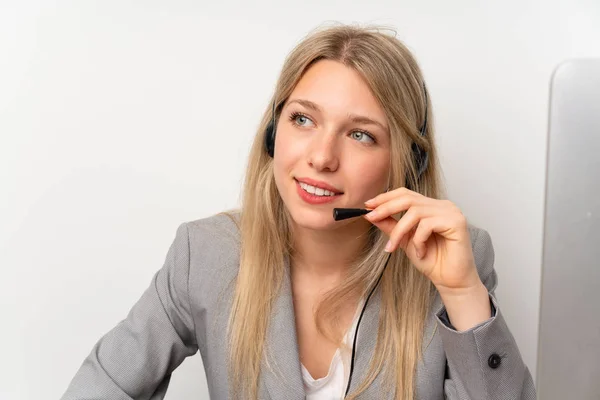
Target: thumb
(387,226)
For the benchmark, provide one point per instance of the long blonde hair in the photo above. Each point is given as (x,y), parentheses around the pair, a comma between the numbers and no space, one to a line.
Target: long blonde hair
(266,235)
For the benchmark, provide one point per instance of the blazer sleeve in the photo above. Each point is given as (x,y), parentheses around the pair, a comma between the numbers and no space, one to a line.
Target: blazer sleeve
(135,359)
(484,362)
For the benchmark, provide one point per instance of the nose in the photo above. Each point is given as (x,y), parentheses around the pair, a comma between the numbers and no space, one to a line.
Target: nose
(322,153)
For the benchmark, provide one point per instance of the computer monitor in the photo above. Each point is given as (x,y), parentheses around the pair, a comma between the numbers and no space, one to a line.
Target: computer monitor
(569,331)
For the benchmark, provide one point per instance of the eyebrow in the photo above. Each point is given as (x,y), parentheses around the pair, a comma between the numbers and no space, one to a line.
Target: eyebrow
(358,119)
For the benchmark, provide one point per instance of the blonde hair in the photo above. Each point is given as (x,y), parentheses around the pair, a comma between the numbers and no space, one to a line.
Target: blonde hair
(266,235)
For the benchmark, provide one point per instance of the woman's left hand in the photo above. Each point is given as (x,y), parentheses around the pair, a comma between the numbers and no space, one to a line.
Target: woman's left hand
(433,233)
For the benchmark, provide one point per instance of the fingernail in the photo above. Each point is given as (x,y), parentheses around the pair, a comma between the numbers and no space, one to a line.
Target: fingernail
(371,215)
(388,246)
(369,202)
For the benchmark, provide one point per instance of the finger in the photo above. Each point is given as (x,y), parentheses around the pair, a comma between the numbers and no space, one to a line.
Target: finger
(400,234)
(397,205)
(403,203)
(386,225)
(383,197)
(422,234)
(389,208)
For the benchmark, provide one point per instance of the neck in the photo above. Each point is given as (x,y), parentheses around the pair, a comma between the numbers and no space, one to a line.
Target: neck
(328,254)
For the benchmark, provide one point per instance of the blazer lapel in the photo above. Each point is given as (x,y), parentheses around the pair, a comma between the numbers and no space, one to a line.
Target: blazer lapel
(365,347)
(282,372)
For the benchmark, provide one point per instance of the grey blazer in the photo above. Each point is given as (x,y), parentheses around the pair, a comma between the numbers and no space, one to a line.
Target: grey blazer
(185,310)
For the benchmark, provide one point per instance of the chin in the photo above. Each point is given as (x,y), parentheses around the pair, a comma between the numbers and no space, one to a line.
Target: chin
(317,219)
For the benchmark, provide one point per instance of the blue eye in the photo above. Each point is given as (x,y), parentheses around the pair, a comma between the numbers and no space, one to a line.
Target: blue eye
(299,119)
(303,121)
(361,135)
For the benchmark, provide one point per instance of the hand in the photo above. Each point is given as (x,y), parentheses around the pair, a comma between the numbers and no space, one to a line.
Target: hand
(434,235)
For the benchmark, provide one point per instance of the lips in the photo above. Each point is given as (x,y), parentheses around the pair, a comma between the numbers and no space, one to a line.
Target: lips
(320,184)
(314,199)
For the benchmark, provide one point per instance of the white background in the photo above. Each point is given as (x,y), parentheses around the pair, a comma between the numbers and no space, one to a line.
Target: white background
(121,119)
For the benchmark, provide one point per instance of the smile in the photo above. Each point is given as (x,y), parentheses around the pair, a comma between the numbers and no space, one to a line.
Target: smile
(315,190)
(315,195)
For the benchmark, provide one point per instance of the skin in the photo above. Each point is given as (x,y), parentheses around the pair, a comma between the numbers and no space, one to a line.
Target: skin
(323,142)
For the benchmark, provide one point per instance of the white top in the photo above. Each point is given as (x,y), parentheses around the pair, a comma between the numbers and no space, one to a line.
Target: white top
(333,386)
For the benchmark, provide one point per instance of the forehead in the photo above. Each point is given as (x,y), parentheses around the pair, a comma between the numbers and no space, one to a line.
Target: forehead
(338,89)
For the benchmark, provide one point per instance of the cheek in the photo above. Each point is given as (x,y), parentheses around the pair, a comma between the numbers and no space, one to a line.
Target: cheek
(371,176)
(288,152)
(286,158)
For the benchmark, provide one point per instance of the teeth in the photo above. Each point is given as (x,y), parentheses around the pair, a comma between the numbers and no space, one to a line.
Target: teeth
(315,190)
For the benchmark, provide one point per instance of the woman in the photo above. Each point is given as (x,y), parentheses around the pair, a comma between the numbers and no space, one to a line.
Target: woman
(272,295)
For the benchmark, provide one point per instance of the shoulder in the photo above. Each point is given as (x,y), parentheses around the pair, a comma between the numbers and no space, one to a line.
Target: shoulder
(212,246)
(483,253)
(481,242)
(214,250)
(217,233)
(219,229)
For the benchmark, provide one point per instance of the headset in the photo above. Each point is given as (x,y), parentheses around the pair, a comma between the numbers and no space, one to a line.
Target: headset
(421,159)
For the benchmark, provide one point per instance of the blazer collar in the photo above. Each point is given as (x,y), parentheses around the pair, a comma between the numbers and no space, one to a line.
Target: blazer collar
(283,372)
(282,369)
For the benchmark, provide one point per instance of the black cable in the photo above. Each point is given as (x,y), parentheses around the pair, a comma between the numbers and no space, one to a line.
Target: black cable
(358,324)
